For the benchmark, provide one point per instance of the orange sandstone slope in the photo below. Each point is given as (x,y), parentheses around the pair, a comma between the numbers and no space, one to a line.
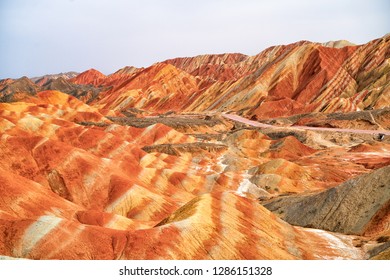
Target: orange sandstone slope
(159,88)
(91,76)
(73,180)
(280,81)
(307,77)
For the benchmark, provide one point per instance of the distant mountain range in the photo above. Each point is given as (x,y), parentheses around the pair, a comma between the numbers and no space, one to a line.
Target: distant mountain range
(280,81)
(43,79)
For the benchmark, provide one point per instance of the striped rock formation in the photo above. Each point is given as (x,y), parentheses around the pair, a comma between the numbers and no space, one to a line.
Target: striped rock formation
(141,164)
(280,81)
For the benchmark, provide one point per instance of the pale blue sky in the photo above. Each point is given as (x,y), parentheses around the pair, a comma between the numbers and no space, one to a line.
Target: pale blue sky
(39,37)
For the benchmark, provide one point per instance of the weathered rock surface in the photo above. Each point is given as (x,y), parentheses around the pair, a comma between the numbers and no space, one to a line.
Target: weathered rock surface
(358,206)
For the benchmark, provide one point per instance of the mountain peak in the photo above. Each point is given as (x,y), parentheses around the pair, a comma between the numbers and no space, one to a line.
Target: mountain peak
(89,77)
(338,44)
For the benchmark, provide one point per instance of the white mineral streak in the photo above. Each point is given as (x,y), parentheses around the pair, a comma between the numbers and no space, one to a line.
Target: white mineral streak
(34,233)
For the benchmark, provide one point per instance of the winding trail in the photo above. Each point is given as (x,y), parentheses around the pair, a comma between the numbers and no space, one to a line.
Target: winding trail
(346,130)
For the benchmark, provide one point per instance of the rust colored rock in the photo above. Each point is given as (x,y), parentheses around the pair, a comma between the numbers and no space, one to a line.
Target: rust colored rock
(89,77)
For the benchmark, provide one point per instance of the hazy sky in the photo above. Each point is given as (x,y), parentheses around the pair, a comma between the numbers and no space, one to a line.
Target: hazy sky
(50,36)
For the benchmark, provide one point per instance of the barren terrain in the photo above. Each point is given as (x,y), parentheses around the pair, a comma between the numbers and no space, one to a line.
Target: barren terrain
(281,155)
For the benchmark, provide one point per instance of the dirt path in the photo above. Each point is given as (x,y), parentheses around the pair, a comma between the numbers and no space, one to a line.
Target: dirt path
(262,125)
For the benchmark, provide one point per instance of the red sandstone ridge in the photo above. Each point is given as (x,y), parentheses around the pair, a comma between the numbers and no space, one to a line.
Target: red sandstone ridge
(89,77)
(280,81)
(218,67)
(159,88)
(147,163)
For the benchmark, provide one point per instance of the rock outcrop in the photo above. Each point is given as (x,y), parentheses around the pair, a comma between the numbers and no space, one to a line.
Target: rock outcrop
(360,206)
